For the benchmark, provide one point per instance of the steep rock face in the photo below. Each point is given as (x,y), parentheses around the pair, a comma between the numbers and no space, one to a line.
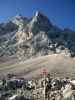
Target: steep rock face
(7,27)
(39,23)
(37,36)
(19,20)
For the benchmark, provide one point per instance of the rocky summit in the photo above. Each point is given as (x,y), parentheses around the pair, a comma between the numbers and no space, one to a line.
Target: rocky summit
(24,38)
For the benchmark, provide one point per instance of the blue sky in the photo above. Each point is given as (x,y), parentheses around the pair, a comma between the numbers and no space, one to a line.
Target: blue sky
(60,12)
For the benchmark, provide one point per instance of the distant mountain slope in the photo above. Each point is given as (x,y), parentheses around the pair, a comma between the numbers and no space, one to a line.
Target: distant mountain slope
(26,38)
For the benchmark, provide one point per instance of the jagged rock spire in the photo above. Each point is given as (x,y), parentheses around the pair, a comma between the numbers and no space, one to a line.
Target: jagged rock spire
(38,13)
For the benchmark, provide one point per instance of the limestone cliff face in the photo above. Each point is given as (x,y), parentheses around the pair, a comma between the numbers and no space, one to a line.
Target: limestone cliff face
(25,38)
(24,47)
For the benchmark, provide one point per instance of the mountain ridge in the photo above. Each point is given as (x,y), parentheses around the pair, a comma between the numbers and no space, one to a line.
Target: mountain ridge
(36,36)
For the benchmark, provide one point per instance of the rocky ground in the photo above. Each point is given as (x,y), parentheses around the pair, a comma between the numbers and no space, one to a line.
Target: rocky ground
(56,64)
(45,88)
(30,82)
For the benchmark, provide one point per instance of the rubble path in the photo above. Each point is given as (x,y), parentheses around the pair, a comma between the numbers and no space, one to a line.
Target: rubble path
(57,64)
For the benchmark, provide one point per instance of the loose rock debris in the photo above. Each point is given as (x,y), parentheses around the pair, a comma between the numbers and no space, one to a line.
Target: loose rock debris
(46,88)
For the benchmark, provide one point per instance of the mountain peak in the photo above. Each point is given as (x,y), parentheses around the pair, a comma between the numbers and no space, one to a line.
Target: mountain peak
(32,37)
(38,13)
